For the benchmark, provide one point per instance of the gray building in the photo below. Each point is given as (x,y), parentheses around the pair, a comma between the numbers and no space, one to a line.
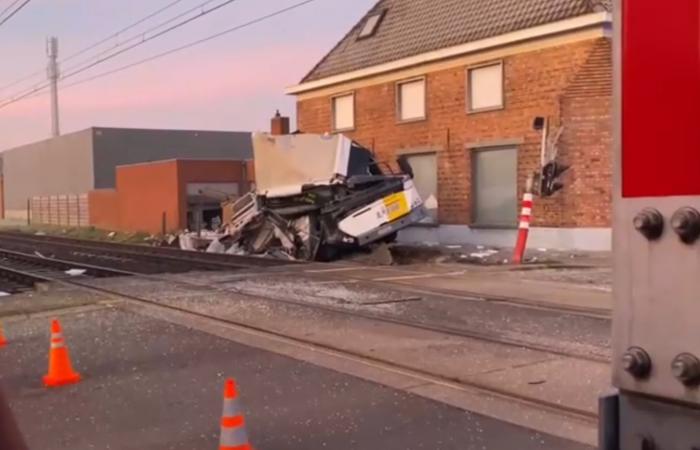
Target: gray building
(79,162)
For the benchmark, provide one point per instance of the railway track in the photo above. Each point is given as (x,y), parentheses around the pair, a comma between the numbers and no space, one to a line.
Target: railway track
(117,262)
(131,261)
(20,272)
(52,270)
(128,257)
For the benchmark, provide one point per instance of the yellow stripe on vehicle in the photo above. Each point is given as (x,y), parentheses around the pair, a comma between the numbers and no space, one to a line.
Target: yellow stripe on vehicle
(396,205)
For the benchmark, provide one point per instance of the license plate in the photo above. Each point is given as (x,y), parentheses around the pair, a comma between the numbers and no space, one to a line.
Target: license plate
(396,206)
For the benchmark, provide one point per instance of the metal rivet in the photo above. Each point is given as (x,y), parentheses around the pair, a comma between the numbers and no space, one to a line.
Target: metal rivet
(637,362)
(650,223)
(686,223)
(686,368)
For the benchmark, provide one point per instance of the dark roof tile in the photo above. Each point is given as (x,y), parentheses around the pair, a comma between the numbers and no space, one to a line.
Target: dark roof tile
(412,27)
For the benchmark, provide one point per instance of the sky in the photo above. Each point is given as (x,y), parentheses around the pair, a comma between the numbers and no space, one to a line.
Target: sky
(233,83)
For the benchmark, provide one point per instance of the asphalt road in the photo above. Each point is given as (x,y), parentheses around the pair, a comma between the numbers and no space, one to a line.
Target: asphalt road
(152,385)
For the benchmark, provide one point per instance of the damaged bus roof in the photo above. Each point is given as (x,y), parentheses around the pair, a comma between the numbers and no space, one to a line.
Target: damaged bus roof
(285,164)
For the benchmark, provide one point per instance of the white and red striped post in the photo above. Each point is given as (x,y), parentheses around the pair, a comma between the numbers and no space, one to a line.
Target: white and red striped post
(523,228)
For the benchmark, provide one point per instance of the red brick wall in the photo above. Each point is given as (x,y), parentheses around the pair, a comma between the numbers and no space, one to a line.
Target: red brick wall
(587,143)
(534,85)
(103,208)
(146,191)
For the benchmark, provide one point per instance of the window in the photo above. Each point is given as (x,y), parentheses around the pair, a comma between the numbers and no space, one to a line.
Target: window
(371,25)
(425,178)
(494,187)
(411,100)
(344,112)
(485,87)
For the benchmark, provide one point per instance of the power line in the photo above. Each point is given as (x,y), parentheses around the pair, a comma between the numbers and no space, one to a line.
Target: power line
(37,89)
(24,95)
(117,33)
(89,63)
(142,35)
(12,14)
(23,79)
(9,7)
(92,46)
(192,44)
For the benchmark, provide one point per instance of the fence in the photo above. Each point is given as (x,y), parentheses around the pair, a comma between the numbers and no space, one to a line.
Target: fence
(64,210)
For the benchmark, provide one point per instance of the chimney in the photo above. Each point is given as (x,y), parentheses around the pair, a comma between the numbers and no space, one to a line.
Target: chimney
(279,125)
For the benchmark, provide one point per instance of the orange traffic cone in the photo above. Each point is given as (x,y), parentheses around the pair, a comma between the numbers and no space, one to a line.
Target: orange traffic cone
(233,432)
(60,369)
(3,341)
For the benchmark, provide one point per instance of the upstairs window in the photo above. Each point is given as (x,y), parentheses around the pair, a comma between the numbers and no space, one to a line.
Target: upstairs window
(344,112)
(411,100)
(371,25)
(485,88)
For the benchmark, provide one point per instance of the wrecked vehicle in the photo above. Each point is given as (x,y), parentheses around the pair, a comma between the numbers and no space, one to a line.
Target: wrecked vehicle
(318,196)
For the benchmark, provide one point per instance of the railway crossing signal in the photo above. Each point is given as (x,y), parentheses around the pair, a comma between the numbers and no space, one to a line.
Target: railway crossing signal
(550,179)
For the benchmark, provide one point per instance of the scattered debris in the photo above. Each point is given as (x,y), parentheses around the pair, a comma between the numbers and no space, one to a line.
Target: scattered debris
(316,198)
(111,235)
(4,294)
(40,233)
(39,254)
(454,247)
(483,254)
(75,272)
(235,249)
(216,247)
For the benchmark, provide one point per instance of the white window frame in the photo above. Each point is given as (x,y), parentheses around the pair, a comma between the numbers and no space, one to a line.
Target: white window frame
(470,69)
(399,99)
(333,112)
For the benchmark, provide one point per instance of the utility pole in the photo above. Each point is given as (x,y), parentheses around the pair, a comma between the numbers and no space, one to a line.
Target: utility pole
(53,74)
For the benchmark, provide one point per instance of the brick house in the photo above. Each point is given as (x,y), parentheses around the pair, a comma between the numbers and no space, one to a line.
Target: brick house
(456,85)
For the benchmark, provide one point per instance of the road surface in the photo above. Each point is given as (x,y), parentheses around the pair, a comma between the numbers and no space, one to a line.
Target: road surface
(152,385)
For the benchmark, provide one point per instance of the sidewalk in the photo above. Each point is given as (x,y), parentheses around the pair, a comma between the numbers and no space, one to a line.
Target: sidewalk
(553,288)
(573,281)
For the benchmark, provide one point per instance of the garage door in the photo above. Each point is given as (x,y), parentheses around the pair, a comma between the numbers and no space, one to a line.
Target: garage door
(494,187)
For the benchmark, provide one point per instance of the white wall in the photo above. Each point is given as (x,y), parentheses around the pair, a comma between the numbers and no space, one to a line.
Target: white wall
(585,239)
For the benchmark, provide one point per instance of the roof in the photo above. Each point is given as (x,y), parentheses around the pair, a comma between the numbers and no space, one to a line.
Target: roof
(412,27)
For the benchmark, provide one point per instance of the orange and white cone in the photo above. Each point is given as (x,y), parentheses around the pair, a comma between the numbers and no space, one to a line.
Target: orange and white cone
(233,432)
(60,368)
(3,341)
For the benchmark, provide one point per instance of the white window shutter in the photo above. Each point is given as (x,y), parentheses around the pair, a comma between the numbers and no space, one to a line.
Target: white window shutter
(486,87)
(344,112)
(412,100)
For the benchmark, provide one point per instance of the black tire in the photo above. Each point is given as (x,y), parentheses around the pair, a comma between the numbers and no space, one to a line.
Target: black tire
(390,239)
(327,253)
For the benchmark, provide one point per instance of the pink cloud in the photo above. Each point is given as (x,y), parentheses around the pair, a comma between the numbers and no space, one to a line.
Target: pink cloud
(201,80)
(195,81)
